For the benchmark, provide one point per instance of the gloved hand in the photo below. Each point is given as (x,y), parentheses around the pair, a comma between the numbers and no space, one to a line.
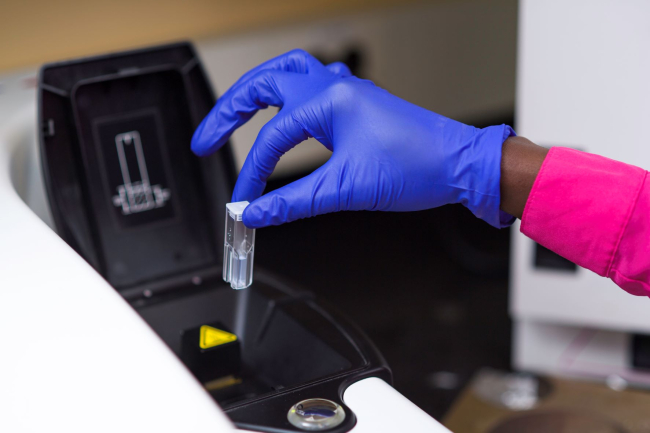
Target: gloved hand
(387,154)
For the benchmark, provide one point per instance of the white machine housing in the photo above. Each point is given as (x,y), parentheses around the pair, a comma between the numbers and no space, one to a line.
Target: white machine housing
(582,82)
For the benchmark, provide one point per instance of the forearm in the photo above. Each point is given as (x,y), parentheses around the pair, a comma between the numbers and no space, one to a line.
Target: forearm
(521,160)
(587,208)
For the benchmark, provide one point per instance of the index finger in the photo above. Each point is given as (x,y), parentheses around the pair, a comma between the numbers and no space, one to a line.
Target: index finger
(236,107)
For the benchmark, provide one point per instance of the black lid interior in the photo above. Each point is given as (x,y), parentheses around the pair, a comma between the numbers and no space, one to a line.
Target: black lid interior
(125,190)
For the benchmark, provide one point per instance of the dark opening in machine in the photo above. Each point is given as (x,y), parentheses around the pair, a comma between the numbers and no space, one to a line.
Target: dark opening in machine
(129,196)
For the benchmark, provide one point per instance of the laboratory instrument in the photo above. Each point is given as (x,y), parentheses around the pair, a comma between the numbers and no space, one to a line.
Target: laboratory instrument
(89,326)
(128,196)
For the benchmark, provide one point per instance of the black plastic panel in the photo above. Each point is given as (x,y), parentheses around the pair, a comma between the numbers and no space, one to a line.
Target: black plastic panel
(145,186)
(641,351)
(125,190)
(547,259)
(291,348)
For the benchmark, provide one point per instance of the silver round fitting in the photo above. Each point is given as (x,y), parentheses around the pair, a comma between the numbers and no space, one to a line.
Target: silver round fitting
(316,414)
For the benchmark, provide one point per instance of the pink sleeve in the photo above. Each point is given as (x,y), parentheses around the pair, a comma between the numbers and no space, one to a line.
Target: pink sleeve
(595,212)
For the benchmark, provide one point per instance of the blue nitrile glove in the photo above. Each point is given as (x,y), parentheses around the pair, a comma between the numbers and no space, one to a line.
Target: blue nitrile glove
(388,154)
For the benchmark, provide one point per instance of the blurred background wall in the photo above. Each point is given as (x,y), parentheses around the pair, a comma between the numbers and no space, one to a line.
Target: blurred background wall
(34,31)
(455,57)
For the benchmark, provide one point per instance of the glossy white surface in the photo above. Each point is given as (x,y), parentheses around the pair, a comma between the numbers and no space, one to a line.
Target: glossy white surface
(75,357)
(379,408)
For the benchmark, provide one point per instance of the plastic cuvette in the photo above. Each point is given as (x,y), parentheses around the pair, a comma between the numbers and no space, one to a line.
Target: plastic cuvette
(238,248)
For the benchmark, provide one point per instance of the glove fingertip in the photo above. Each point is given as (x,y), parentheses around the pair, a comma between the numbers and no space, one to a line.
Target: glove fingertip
(199,145)
(199,149)
(254,217)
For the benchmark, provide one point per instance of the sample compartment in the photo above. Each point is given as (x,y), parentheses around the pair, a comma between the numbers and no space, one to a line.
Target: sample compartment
(128,195)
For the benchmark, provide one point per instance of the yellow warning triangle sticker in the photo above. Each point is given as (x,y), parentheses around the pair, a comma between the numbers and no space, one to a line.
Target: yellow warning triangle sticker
(211,337)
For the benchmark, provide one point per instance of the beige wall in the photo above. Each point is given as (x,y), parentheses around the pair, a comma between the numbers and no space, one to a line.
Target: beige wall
(36,31)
